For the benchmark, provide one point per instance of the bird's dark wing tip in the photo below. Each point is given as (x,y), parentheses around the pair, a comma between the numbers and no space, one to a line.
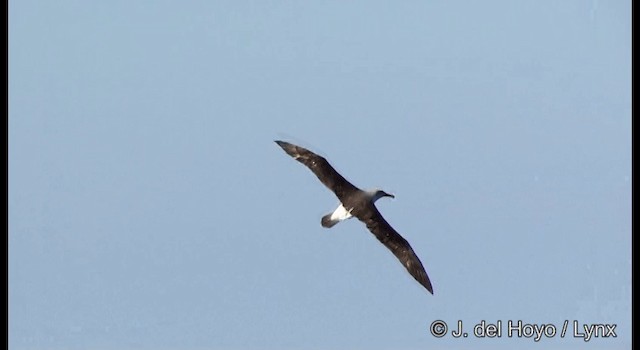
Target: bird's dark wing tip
(286,146)
(426,284)
(291,149)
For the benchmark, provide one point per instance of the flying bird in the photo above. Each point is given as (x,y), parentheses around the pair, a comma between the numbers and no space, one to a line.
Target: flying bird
(359,203)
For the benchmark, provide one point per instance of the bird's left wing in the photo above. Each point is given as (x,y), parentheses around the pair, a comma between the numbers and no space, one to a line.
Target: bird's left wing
(398,246)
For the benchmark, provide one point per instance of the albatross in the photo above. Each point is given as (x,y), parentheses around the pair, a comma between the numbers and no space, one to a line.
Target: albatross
(359,203)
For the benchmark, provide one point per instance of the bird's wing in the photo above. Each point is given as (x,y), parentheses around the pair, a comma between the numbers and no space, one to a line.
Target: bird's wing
(398,246)
(319,166)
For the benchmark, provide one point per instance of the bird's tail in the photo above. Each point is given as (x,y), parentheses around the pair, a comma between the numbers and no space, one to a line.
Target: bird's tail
(328,222)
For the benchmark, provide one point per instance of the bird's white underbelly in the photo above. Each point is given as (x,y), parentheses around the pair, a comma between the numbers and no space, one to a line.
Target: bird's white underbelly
(341,213)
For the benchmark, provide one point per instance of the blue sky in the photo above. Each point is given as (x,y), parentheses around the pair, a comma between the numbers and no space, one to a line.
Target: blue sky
(150,209)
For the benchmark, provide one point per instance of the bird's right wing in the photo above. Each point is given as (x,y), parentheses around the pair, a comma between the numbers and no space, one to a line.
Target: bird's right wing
(319,166)
(398,246)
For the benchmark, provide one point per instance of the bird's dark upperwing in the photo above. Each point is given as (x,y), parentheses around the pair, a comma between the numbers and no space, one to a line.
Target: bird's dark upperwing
(398,246)
(323,170)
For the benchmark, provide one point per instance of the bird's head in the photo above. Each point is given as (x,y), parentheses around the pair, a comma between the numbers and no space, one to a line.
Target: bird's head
(377,194)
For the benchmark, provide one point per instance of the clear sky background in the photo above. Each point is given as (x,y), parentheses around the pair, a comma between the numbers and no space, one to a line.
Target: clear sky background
(150,209)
